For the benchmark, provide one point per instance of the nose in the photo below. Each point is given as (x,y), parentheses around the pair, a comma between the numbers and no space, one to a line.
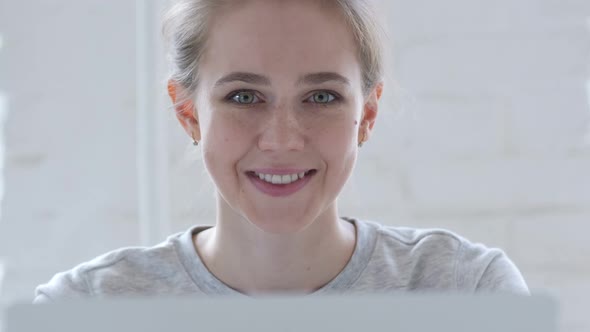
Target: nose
(281,131)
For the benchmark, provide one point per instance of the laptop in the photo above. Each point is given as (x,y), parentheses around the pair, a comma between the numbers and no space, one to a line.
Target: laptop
(393,312)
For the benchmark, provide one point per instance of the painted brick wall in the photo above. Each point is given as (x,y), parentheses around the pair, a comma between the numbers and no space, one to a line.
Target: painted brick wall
(70,184)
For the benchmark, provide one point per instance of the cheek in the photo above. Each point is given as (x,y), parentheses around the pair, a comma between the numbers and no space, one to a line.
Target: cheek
(337,143)
(226,130)
(338,131)
(225,142)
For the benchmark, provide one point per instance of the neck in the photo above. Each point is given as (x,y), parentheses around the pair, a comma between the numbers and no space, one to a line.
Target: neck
(254,262)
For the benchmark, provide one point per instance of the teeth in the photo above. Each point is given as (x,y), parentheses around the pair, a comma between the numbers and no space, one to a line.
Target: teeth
(276,179)
(280,179)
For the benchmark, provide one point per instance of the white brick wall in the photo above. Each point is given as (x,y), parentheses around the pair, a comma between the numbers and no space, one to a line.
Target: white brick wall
(555,242)
(481,131)
(70,135)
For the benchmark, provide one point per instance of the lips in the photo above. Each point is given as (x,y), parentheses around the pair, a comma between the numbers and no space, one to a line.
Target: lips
(280,177)
(279,171)
(279,190)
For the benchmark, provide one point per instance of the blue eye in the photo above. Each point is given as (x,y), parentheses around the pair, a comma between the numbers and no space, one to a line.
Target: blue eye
(245,97)
(322,97)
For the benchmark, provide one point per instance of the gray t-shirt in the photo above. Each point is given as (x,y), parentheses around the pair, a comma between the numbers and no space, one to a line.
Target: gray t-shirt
(385,258)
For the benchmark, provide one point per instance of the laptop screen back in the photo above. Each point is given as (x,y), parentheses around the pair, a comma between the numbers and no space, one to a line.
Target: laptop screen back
(419,313)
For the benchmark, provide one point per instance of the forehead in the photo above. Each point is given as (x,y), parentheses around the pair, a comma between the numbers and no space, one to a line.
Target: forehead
(280,39)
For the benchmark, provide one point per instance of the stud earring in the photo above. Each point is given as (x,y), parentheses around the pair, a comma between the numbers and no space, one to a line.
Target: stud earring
(195,142)
(362,140)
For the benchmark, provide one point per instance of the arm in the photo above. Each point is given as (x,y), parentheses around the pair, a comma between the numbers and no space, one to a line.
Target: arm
(502,275)
(67,285)
(483,269)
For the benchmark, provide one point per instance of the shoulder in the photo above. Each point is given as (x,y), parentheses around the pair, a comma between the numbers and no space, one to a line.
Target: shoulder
(418,243)
(117,271)
(488,269)
(439,258)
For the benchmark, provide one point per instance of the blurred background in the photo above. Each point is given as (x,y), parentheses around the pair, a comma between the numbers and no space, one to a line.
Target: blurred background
(484,129)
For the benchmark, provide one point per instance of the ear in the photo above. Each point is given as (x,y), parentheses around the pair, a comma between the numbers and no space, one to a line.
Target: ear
(370,109)
(185,111)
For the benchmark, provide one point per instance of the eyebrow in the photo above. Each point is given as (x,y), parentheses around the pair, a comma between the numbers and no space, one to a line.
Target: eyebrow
(322,77)
(309,79)
(243,77)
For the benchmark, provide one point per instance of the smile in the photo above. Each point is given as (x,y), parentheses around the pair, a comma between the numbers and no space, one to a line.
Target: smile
(280,185)
(282,179)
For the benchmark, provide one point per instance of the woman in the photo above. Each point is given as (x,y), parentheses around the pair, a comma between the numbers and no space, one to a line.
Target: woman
(279,96)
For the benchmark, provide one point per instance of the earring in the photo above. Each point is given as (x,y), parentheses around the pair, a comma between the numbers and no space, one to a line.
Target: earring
(362,140)
(195,143)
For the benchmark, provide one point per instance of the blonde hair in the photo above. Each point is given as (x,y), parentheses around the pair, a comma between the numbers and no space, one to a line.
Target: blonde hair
(185,28)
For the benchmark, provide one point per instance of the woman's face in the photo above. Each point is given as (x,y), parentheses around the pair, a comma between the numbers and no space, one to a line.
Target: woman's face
(279,94)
